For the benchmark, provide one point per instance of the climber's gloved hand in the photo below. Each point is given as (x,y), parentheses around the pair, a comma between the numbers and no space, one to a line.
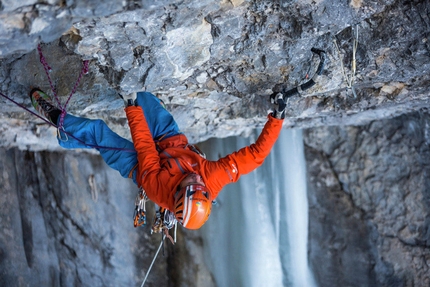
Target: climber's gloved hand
(278,100)
(129,99)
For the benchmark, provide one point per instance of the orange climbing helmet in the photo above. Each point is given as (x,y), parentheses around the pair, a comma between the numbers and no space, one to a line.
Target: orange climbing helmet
(193,205)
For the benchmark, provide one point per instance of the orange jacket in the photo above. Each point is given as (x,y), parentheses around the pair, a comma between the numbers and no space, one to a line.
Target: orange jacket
(160,173)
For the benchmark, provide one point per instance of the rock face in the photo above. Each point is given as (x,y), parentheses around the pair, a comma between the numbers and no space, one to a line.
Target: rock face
(67,221)
(214,63)
(369,202)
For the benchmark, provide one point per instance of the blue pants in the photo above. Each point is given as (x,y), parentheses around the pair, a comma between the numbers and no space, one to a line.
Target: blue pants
(118,152)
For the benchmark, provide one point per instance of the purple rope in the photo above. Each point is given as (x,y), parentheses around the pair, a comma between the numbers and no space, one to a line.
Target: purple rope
(48,122)
(48,69)
(84,71)
(63,109)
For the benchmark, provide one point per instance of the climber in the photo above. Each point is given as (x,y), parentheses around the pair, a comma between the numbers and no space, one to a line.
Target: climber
(174,174)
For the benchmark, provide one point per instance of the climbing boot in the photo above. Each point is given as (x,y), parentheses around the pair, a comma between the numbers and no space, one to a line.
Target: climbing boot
(43,104)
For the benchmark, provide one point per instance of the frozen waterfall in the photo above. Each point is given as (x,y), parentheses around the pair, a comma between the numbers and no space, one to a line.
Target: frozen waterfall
(257,233)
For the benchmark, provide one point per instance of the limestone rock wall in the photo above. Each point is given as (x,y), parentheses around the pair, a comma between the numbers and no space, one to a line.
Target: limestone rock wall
(66,217)
(369,202)
(214,63)
(67,220)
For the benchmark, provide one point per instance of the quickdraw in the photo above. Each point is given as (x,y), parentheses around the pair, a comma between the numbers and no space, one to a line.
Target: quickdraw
(164,220)
(140,209)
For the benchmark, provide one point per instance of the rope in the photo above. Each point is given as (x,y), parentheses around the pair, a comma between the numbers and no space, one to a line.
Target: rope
(153,260)
(48,69)
(69,134)
(84,71)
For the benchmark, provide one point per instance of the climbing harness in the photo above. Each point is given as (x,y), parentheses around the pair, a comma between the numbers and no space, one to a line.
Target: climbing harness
(286,94)
(349,80)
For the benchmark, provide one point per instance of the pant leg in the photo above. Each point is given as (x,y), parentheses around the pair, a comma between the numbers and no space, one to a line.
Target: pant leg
(117,152)
(160,121)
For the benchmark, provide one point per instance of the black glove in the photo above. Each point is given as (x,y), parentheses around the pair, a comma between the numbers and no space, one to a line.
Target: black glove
(278,100)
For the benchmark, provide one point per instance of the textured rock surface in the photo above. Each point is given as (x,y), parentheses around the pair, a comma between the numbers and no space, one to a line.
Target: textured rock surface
(369,202)
(66,220)
(214,63)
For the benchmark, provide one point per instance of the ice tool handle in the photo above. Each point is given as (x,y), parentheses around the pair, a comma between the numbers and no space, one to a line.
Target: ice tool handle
(299,89)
